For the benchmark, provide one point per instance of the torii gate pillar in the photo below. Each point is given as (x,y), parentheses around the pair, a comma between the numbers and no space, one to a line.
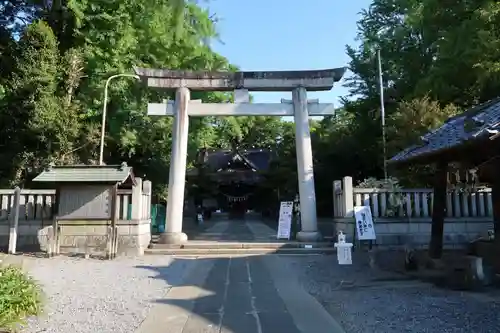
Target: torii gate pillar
(177,175)
(300,109)
(305,169)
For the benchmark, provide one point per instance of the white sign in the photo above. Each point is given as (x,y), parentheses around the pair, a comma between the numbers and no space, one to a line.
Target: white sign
(285,220)
(365,229)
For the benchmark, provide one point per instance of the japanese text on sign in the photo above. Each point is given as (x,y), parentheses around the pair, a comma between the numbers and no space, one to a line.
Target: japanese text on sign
(285,220)
(365,229)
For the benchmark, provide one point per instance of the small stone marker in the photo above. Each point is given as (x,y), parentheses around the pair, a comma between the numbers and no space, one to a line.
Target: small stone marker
(344,250)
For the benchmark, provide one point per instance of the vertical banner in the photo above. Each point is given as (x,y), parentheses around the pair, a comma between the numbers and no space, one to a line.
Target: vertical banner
(285,220)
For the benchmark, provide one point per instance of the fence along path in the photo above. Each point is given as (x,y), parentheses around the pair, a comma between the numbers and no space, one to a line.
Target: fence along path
(414,203)
(37,205)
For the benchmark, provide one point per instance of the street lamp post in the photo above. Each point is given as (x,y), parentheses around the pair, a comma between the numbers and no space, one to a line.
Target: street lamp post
(103,125)
(382,111)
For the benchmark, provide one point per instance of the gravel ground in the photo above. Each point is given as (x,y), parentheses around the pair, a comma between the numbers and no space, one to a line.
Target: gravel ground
(363,300)
(88,295)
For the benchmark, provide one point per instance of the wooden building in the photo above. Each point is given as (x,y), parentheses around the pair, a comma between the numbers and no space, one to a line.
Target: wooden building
(87,192)
(102,208)
(470,143)
(229,177)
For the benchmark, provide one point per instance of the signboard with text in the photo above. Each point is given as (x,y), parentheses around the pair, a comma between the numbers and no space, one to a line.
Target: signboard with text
(285,220)
(365,229)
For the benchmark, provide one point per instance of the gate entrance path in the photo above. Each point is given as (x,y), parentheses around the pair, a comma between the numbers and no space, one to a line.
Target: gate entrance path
(237,293)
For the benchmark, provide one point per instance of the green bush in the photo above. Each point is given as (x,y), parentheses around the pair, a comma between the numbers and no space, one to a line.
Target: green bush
(20,298)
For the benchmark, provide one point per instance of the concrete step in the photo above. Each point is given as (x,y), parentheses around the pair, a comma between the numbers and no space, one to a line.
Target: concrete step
(241,245)
(239,251)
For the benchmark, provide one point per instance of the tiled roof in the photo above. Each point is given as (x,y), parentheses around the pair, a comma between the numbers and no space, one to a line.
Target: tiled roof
(475,123)
(86,174)
(219,159)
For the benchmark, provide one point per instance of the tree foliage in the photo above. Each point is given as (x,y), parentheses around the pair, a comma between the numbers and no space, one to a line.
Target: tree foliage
(438,58)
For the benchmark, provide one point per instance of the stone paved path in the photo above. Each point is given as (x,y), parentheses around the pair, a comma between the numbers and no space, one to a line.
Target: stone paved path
(254,294)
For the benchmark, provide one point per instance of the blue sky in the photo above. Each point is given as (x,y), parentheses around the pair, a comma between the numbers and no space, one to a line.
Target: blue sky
(287,35)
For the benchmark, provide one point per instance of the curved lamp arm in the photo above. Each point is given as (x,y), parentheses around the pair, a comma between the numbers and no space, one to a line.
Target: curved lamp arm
(103,122)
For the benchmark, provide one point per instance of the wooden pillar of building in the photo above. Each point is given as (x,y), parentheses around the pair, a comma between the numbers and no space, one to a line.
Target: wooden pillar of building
(495,196)
(438,210)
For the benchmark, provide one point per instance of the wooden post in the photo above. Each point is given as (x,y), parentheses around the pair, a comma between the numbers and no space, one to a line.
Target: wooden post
(114,220)
(348,197)
(14,221)
(337,206)
(112,244)
(438,210)
(55,225)
(495,196)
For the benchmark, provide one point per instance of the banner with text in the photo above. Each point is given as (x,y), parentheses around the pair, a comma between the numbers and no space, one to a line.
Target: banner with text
(365,229)
(285,220)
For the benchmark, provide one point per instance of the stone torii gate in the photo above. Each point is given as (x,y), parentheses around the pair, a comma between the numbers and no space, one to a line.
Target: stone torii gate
(241,83)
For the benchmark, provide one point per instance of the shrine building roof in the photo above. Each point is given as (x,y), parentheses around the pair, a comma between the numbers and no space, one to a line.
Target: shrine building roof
(87,174)
(222,159)
(478,123)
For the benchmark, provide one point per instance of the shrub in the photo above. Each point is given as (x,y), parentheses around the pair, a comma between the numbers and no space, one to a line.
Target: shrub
(20,298)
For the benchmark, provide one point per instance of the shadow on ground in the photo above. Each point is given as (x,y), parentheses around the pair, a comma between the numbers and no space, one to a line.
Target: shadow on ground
(229,295)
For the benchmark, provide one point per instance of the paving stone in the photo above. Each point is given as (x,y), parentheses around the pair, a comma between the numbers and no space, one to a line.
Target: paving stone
(208,323)
(239,323)
(217,277)
(259,272)
(208,304)
(266,298)
(277,322)
(239,298)
(238,271)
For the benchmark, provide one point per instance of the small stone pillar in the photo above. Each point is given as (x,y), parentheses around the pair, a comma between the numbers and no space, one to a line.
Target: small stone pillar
(344,250)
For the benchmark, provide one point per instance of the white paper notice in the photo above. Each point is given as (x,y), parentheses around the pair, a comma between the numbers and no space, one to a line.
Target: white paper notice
(365,229)
(285,220)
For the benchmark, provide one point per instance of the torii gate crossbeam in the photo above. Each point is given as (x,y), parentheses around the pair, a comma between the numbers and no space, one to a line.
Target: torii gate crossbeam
(240,82)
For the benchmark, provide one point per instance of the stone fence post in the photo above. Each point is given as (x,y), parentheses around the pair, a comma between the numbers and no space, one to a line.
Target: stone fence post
(137,205)
(347,197)
(147,191)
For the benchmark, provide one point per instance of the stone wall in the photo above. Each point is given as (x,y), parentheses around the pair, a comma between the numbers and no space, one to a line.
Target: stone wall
(81,237)
(397,232)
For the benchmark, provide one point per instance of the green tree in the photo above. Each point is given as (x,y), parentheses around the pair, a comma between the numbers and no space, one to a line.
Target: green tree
(38,125)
